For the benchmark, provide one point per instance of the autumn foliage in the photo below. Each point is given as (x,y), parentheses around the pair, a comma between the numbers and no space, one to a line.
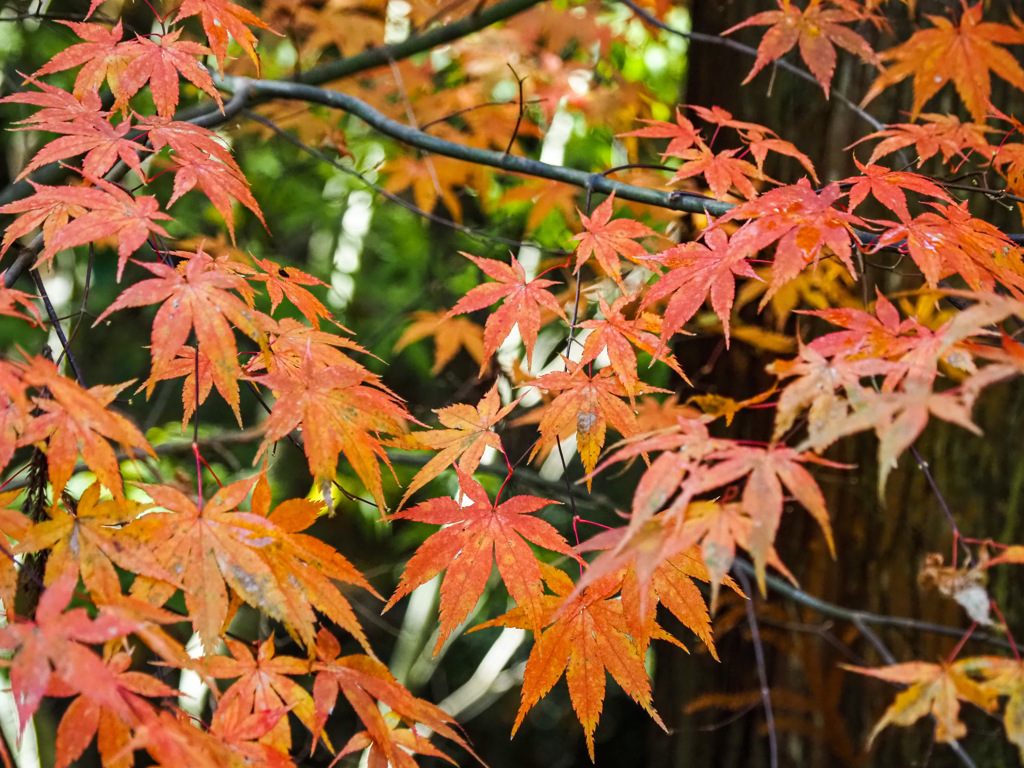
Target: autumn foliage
(108,568)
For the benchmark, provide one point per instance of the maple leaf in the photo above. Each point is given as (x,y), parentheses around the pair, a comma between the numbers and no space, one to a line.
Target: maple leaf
(656,569)
(338,413)
(523,300)
(221,182)
(450,335)
(721,170)
(159,64)
(48,208)
(83,537)
(588,639)
(934,689)
(474,536)
(816,29)
(469,433)
(103,210)
(57,106)
(950,240)
(697,271)
(102,144)
(203,297)
(55,645)
(264,684)
(86,719)
(767,470)
(367,684)
(683,134)
(606,240)
(887,188)
(74,420)
(585,406)
(102,57)
(263,560)
(288,282)
(222,18)
(963,53)
(801,221)
(617,335)
(944,134)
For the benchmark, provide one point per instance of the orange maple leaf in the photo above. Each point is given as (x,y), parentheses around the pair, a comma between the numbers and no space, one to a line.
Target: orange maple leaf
(341,409)
(523,300)
(473,538)
(944,134)
(587,404)
(721,170)
(366,684)
(469,433)
(264,684)
(450,335)
(950,240)
(607,240)
(74,420)
(589,639)
(816,29)
(263,559)
(84,536)
(617,335)
(963,52)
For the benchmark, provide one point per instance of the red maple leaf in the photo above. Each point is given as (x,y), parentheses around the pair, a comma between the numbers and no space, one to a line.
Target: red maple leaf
(697,272)
(198,296)
(523,300)
(102,144)
(222,18)
(102,57)
(802,222)
(607,240)
(474,536)
(887,188)
(159,64)
(55,645)
(816,29)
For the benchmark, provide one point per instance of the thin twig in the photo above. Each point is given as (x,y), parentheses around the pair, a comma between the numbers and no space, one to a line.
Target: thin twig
(762,670)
